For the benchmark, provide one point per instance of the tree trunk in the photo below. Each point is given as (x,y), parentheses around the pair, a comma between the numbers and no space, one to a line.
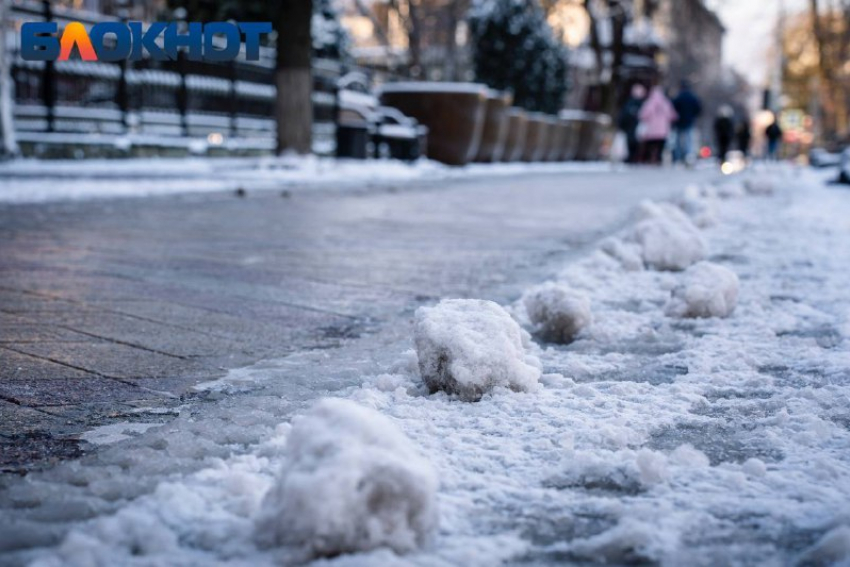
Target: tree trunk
(294,77)
(414,39)
(844,86)
(8,146)
(609,74)
(452,20)
(827,80)
(595,42)
(618,48)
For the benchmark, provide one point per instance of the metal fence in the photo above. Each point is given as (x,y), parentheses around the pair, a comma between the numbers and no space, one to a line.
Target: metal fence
(182,104)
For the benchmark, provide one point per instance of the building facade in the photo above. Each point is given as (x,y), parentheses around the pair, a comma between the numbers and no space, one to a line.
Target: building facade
(692,36)
(426,40)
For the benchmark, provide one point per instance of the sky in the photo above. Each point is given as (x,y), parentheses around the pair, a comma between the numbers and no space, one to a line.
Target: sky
(750,32)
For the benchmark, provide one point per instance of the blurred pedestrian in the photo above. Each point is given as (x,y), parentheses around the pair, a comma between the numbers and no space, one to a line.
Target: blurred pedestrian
(629,119)
(656,118)
(774,139)
(689,108)
(724,131)
(744,135)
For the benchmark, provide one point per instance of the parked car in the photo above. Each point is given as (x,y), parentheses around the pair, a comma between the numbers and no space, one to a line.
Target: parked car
(820,157)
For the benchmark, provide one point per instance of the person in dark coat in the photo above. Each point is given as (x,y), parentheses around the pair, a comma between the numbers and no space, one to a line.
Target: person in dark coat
(724,131)
(744,135)
(689,109)
(629,119)
(774,139)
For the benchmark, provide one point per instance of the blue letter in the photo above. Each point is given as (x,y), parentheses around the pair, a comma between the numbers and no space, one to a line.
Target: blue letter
(39,47)
(122,41)
(194,40)
(232,41)
(147,40)
(252,31)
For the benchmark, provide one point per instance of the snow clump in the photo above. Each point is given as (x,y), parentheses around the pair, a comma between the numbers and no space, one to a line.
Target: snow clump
(707,290)
(628,254)
(831,549)
(557,312)
(701,210)
(754,467)
(760,185)
(468,347)
(731,190)
(631,541)
(351,482)
(653,210)
(668,239)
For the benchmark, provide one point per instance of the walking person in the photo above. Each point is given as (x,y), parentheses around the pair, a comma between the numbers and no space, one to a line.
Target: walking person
(689,108)
(629,119)
(744,136)
(656,118)
(774,140)
(724,131)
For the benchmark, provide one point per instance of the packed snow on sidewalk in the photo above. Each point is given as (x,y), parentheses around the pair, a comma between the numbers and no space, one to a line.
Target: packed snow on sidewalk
(650,438)
(37,181)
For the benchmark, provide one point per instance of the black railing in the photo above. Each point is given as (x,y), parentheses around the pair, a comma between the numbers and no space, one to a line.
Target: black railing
(150,102)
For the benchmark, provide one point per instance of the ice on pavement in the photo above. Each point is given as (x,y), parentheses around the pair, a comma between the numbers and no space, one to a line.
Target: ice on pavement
(351,481)
(468,347)
(707,290)
(556,312)
(650,439)
(114,432)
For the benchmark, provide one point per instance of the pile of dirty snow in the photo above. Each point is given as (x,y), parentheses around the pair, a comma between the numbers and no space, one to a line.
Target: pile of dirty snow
(557,312)
(351,481)
(706,290)
(667,238)
(468,347)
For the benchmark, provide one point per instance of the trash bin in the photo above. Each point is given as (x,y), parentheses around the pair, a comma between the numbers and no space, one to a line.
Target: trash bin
(398,136)
(536,137)
(453,113)
(399,142)
(495,128)
(352,140)
(515,140)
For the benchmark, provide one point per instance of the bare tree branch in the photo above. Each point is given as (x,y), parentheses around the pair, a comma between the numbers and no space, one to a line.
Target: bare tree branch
(376,25)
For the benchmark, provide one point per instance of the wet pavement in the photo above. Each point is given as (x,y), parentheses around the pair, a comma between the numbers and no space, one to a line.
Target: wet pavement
(110,306)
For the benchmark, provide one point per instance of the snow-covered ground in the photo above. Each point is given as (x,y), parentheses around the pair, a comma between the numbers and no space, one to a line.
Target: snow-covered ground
(650,438)
(36,181)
